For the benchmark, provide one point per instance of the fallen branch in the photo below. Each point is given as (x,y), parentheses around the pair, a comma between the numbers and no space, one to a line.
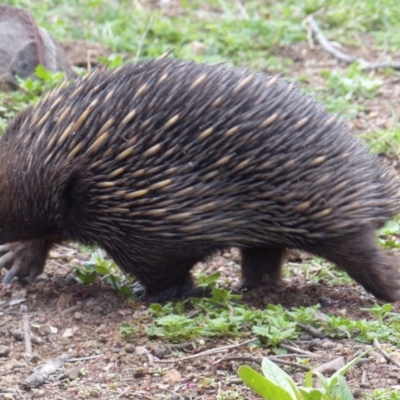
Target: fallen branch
(27,332)
(206,352)
(315,333)
(258,361)
(387,356)
(41,374)
(296,350)
(340,55)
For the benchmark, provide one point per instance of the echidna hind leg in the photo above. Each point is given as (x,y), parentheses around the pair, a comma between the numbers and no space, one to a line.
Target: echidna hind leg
(359,255)
(261,264)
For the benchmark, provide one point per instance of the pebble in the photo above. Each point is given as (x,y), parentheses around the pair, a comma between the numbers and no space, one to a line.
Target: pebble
(4,351)
(72,373)
(78,316)
(314,344)
(139,373)
(327,344)
(129,348)
(172,376)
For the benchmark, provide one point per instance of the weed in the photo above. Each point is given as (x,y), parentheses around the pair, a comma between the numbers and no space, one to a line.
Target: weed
(277,384)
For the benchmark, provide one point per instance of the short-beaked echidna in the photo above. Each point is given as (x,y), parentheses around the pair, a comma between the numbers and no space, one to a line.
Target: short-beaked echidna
(164,162)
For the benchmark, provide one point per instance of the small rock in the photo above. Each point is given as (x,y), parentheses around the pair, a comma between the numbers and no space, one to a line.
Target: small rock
(139,350)
(4,351)
(158,350)
(378,356)
(72,373)
(197,48)
(64,301)
(139,373)
(98,310)
(129,348)
(17,334)
(36,340)
(69,332)
(314,344)
(327,344)
(47,329)
(331,366)
(19,294)
(78,316)
(38,393)
(33,358)
(358,393)
(8,396)
(172,376)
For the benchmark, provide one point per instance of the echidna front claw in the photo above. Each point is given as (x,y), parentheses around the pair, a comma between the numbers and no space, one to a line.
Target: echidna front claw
(23,259)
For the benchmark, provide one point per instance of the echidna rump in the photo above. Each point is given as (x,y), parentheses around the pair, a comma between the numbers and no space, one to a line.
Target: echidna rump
(164,162)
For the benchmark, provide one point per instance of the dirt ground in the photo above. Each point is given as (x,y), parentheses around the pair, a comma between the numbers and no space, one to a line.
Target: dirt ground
(66,317)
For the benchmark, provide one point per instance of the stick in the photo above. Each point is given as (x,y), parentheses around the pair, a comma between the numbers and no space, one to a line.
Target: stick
(340,55)
(387,356)
(258,361)
(149,25)
(206,352)
(27,332)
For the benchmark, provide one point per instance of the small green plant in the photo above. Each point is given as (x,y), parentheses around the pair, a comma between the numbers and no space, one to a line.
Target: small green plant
(383,394)
(30,90)
(352,83)
(345,91)
(127,330)
(385,141)
(104,269)
(277,384)
(388,234)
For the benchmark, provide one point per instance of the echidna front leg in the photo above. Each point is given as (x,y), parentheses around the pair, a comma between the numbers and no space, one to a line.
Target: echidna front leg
(170,287)
(259,264)
(359,255)
(24,259)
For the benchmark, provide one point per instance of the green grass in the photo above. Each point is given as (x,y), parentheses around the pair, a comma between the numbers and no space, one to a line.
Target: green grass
(227,31)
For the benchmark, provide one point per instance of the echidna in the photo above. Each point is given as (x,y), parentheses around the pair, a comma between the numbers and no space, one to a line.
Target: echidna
(164,162)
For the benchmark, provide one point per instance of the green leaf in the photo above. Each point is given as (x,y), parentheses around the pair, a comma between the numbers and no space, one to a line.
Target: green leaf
(311,393)
(344,369)
(208,280)
(324,381)
(308,383)
(390,228)
(278,376)
(345,392)
(263,386)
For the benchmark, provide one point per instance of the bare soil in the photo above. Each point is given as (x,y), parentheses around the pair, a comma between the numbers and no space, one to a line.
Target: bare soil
(66,317)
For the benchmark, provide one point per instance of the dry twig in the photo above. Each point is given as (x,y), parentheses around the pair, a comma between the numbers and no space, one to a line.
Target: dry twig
(295,350)
(387,356)
(258,361)
(27,332)
(340,55)
(41,374)
(206,352)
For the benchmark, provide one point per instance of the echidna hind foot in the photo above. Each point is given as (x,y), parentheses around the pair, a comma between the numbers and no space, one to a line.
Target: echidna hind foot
(23,259)
(259,264)
(373,268)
